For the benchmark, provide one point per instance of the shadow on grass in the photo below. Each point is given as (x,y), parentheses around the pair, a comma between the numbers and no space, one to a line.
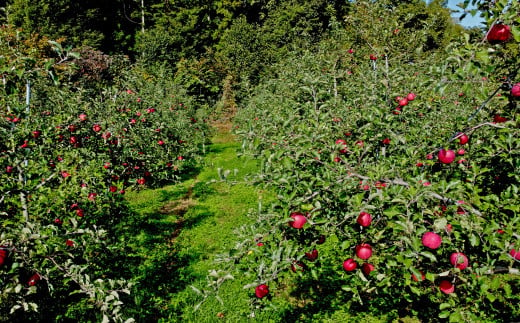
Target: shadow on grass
(156,261)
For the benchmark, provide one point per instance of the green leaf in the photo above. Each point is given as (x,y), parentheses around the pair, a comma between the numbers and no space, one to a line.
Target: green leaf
(444,314)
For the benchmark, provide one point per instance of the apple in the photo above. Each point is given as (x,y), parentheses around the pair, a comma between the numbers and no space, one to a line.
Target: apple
(298,220)
(36,133)
(515,254)
(385,141)
(160,142)
(80,212)
(446,287)
(515,90)
(459,260)
(499,119)
(446,156)
(349,264)
(3,255)
(9,169)
(499,33)
(82,117)
(367,268)
(364,219)
(313,255)
(403,102)
(411,96)
(96,128)
(33,280)
(364,251)
(261,291)
(431,240)
(301,266)
(342,143)
(373,57)
(423,277)
(463,138)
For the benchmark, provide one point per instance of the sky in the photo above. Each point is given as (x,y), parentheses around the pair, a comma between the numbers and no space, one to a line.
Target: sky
(468,21)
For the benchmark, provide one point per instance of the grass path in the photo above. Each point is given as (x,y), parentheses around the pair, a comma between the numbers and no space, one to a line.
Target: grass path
(186,225)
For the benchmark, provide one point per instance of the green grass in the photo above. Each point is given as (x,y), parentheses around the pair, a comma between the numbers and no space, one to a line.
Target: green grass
(182,227)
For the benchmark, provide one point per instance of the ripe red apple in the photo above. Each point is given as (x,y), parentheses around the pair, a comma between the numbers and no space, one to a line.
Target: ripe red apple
(261,291)
(364,251)
(431,240)
(446,156)
(298,220)
(9,169)
(301,266)
(367,268)
(459,260)
(499,119)
(411,96)
(3,255)
(342,143)
(515,90)
(96,128)
(364,219)
(463,138)
(461,152)
(313,255)
(446,287)
(160,142)
(33,280)
(499,33)
(349,264)
(373,57)
(403,102)
(36,133)
(82,117)
(515,254)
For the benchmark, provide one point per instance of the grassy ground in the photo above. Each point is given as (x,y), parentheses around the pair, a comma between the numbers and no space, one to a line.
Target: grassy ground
(185,227)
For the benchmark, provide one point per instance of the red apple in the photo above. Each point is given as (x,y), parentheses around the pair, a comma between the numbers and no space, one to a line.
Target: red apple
(36,133)
(298,220)
(411,96)
(463,138)
(364,219)
(431,240)
(349,264)
(364,251)
(373,57)
(261,291)
(515,90)
(499,119)
(446,287)
(3,255)
(342,143)
(499,33)
(33,280)
(403,102)
(313,255)
(96,128)
(515,254)
(461,152)
(82,117)
(423,277)
(459,260)
(301,266)
(367,268)
(446,156)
